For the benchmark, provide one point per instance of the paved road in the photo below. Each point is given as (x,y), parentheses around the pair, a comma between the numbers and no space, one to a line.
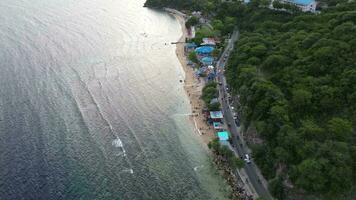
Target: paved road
(237,140)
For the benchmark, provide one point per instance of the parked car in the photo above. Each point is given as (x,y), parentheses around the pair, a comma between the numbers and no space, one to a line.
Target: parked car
(247,158)
(237,122)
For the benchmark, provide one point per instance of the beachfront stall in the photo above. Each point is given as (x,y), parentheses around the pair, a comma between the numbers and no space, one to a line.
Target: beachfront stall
(216,116)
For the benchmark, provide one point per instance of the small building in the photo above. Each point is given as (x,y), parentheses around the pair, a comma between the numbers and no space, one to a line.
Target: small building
(304,5)
(216,116)
(223,136)
(218,125)
(208,42)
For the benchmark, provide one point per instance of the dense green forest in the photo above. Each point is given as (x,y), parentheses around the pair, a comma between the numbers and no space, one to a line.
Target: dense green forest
(296,76)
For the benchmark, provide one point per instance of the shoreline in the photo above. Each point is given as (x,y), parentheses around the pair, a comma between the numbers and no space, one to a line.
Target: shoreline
(192,86)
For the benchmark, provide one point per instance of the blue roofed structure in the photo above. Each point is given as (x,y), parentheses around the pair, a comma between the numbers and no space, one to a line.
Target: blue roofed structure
(303,2)
(207,60)
(223,135)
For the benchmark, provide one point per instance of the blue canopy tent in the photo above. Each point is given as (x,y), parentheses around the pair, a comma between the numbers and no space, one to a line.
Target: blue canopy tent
(204,50)
(223,135)
(207,60)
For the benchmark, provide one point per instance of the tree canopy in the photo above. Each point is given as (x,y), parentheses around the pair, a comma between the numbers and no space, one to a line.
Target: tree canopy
(295,74)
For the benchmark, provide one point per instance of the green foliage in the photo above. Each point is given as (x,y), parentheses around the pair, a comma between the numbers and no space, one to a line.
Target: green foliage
(214,106)
(236,163)
(192,21)
(277,5)
(287,6)
(310,175)
(276,188)
(209,92)
(214,145)
(193,57)
(217,24)
(224,151)
(203,32)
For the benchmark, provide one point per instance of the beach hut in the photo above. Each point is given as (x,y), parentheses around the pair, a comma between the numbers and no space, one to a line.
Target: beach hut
(207,60)
(223,136)
(216,116)
(204,50)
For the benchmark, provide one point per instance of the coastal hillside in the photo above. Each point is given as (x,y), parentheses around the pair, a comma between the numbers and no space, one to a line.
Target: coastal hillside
(294,74)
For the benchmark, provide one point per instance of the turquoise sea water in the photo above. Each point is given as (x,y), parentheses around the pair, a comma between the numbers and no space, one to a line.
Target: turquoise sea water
(91,106)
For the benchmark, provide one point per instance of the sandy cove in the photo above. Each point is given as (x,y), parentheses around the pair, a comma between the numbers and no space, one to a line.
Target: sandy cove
(193,87)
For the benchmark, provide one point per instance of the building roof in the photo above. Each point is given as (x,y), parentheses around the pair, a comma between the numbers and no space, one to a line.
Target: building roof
(216,115)
(208,41)
(223,135)
(302,2)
